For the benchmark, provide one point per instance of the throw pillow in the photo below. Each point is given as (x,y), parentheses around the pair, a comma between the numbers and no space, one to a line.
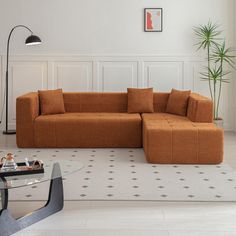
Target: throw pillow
(178,102)
(51,102)
(140,100)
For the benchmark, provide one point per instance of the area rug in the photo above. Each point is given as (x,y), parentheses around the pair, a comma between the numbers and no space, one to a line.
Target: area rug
(124,174)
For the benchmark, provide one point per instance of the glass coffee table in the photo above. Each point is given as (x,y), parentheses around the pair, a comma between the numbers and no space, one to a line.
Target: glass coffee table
(54,171)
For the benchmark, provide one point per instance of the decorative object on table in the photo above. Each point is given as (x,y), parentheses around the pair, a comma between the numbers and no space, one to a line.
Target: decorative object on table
(37,165)
(2,160)
(9,163)
(31,40)
(218,57)
(22,168)
(153,19)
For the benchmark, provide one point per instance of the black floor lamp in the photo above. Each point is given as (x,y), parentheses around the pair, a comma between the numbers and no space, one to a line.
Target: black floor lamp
(31,40)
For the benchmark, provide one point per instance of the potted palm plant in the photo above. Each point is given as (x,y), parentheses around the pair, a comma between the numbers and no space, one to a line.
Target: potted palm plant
(218,57)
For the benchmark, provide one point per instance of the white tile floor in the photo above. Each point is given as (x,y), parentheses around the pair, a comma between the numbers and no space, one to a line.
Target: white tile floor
(90,218)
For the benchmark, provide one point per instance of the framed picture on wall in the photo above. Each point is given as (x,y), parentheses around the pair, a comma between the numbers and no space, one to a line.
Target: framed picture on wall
(153,19)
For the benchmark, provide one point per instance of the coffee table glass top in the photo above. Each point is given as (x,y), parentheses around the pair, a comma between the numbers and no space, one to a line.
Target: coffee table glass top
(67,167)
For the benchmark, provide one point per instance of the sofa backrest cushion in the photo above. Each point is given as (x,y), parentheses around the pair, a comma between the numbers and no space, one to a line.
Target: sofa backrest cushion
(107,102)
(178,102)
(51,102)
(95,102)
(140,100)
(160,101)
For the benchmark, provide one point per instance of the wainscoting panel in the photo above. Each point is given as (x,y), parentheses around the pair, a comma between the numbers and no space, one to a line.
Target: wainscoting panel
(199,85)
(163,76)
(73,76)
(1,91)
(108,73)
(23,78)
(117,76)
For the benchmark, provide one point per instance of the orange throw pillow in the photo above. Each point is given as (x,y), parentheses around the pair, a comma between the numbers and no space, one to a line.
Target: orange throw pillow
(51,102)
(140,100)
(178,102)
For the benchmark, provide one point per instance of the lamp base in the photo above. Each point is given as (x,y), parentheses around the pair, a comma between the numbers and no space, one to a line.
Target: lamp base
(9,132)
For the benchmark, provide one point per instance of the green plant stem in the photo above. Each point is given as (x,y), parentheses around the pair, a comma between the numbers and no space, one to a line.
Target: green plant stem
(209,64)
(220,88)
(214,100)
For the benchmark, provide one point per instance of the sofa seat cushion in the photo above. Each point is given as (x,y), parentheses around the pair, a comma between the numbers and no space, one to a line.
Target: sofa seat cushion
(169,118)
(174,140)
(88,130)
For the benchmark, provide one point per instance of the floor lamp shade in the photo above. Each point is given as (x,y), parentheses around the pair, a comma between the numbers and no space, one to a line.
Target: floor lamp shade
(30,40)
(33,40)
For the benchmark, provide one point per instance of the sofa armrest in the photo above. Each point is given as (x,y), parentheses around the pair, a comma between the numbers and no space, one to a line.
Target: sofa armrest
(200,109)
(27,109)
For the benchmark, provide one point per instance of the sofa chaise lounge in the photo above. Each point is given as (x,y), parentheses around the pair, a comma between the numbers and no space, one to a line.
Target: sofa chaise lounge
(101,120)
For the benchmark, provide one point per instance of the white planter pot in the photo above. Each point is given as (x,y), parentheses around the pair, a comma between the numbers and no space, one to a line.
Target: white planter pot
(219,123)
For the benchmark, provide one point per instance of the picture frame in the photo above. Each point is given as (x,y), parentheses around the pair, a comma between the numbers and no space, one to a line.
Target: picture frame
(153,19)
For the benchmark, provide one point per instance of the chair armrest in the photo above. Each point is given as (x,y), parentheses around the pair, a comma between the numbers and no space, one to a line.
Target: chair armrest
(200,109)
(27,109)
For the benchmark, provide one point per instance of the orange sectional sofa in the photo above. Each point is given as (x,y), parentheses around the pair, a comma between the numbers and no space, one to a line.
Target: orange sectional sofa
(96,120)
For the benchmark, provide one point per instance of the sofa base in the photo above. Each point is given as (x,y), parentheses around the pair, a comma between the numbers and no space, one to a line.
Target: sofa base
(100,120)
(86,130)
(182,142)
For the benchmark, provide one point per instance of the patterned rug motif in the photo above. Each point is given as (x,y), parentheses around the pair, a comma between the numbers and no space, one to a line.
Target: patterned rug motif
(124,174)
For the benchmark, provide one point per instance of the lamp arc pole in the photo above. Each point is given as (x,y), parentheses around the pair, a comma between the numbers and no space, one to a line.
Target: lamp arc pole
(31,40)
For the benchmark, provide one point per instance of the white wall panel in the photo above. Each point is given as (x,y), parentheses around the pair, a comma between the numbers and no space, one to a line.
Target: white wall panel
(1,89)
(1,82)
(23,78)
(199,85)
(109,74)
(73,76)
(117,76)
(163,76)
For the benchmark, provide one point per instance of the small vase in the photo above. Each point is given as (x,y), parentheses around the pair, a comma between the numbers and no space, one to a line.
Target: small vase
(219,123)
(9,163)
